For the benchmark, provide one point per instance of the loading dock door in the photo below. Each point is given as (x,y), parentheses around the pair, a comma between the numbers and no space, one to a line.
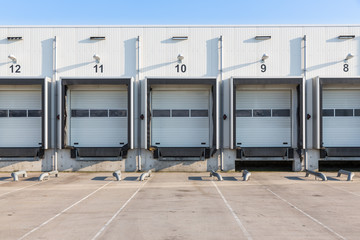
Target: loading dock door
(21,117)
(180,118)
(98,118)
(263,118)
(341,118)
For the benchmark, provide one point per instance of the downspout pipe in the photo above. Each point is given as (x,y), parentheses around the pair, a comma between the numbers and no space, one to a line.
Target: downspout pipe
(305,70)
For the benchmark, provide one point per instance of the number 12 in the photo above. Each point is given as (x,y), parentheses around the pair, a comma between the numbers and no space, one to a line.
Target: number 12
(15,69)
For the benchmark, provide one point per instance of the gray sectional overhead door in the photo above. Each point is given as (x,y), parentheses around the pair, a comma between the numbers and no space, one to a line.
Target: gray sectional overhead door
(20,116)
(180,118)
(98,117)
(263,118)
(341,118)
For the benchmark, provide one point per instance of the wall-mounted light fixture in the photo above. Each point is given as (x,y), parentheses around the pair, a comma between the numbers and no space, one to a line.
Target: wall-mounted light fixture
(264,57)
(97,38)
(13,58)
(180,38)
(14,38)
(180,58)
(349,56)
(346,37)
(97,58)
(262,37)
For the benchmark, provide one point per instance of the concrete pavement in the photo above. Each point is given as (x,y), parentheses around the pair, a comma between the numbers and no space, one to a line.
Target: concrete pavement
(272,205)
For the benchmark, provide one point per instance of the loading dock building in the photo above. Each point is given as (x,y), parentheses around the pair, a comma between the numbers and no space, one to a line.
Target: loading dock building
(177,98)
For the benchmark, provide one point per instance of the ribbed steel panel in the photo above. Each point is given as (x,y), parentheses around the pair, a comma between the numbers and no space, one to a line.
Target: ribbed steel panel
(341,131)
(180,99)
(263,99)
(326,52)
(20,99)
(98,99)
(20,131)
(181,131)
(98,131)
(157,52)
(263,131)
(341,99)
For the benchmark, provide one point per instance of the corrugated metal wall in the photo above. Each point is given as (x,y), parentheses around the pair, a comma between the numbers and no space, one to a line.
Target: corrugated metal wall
(141,52)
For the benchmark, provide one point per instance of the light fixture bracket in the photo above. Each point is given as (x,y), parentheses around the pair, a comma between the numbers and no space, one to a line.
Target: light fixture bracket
(264,57)
(346,37)
(13,58)
(180,58)
(97,58)
(97,38)
(179,38)
(262,37)
(348,57)
(14,38)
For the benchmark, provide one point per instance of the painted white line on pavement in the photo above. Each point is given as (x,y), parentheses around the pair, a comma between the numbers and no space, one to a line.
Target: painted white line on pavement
(2,182)
(118,212)
(66,209)
(243,229)
(312,218)
(19,189)
(358,195)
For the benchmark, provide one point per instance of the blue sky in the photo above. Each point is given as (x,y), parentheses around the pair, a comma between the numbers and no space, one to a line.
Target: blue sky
(178,12)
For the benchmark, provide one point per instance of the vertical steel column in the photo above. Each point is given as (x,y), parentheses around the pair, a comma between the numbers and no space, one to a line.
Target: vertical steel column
(304,104)
(54,104)
(305,96)
(138,112)
(220,103)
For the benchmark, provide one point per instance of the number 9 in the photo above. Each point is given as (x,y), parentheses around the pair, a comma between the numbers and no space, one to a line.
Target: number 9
(263,68)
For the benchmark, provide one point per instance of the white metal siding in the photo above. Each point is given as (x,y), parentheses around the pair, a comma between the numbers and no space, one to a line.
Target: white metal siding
(263,131)
(341,131)
(98,131)
(20,131)
(180,131)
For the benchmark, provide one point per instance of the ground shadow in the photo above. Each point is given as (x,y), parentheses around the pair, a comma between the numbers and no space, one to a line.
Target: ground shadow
(295,178)
(229,179)
(102,178)
(31,179)
(130,178)
(195,178)
(332,179)
(4,178)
